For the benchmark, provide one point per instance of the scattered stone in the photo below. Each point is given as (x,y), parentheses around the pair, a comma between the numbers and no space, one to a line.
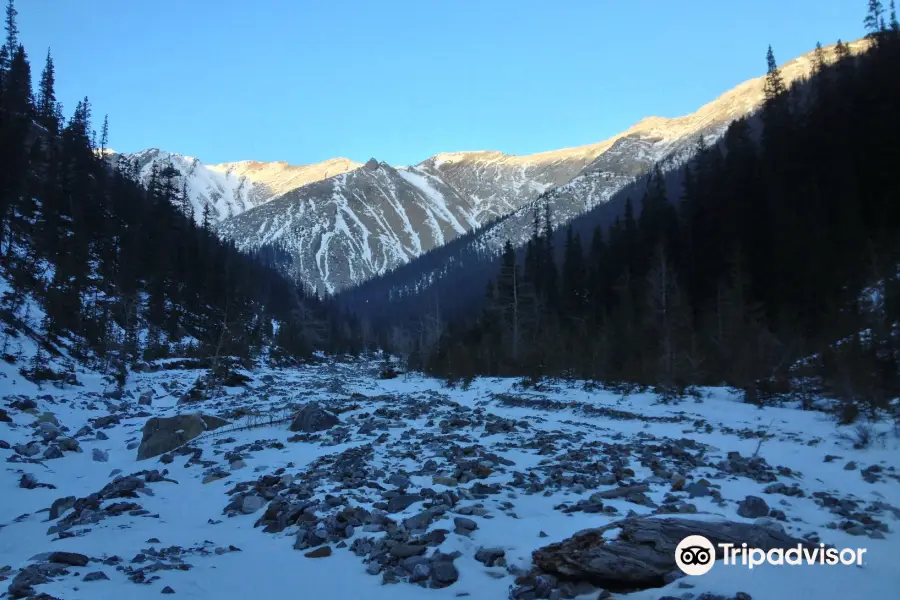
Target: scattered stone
(312,418)
(69,444)
(99,455)
(753,507)
(52,453)
(61,505)
(464,525)
(697,490)
(251,504)
(48,417)
(401,503)
(490,556)
(69,558)
(319,552)
(168,590)
(443,573)
(96,576)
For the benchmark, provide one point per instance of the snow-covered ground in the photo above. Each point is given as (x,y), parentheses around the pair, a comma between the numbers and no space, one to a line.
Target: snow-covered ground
(519,465)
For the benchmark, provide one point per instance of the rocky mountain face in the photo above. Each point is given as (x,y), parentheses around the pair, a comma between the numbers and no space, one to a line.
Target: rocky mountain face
(345,229)
(345,223)
(232,188)
(654,140)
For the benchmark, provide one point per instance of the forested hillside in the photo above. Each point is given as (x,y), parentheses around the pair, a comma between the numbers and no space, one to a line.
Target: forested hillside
(778,244)
(119,273)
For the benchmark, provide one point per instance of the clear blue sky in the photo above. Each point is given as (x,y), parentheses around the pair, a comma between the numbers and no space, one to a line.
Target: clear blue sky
(306,80)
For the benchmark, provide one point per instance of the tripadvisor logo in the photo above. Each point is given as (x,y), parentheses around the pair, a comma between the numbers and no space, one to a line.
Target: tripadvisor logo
(696,555)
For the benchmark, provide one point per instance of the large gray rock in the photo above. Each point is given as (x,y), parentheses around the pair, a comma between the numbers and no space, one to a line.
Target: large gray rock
(753,507)
(401,503)
(644,552)
(312,418)
(251,504)
(163,435)
(69,558)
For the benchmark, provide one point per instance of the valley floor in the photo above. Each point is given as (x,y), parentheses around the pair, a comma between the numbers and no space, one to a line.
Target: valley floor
(520,466)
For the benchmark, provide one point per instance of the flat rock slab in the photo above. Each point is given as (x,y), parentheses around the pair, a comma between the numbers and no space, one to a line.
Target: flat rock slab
(644,552)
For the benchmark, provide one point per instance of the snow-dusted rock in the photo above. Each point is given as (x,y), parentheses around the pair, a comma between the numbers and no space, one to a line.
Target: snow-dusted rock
(161,435)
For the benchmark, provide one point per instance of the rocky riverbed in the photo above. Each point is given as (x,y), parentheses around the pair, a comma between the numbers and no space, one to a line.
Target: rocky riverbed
(326,482)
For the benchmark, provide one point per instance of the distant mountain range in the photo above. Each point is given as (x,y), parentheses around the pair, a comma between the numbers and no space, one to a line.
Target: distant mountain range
(345,222)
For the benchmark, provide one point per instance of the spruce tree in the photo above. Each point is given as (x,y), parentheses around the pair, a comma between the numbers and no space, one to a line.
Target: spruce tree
(774,84)
(104,135)
(818,59)
(12,30)
(46,99)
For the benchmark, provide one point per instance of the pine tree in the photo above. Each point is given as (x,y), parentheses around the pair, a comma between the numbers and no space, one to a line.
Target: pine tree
(205,224)
(46,99)
(104,135)
(17,96)
(774,85)
(818,59)
(12,30)
(573,277)
(508,300)
(550,283)
(874,22)
(895,25)
(841,51)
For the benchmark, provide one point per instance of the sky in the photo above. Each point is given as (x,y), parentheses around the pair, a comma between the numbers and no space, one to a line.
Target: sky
(401,80)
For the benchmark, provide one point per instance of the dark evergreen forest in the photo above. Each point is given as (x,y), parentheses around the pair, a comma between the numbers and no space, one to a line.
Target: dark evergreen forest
(118,269)
(771,264)
(768,262)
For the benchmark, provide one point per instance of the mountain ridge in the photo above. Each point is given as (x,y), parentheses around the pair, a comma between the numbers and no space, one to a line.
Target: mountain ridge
(394,214)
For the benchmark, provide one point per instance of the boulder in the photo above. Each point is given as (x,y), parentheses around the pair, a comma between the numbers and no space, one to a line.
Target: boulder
(61,505)
(401,503)
(69,445)
(48,417)
(753,507)
(251,504)
(72,559)
(163,435)
(312,418)
(644,552)
(146,398)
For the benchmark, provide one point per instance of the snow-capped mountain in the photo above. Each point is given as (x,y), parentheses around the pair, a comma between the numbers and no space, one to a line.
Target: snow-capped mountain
(653,140)
(345,229)
(345,223)
(232,188)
